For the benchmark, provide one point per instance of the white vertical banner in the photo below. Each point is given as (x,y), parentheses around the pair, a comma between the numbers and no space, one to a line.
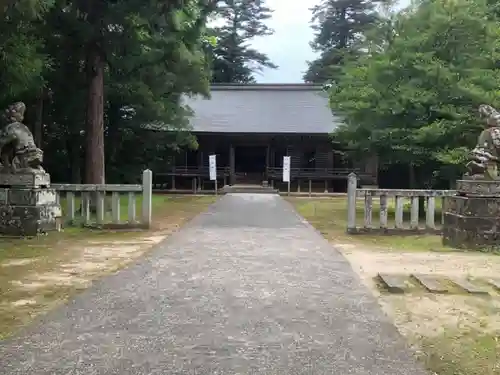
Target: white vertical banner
(212,165)
(286,168)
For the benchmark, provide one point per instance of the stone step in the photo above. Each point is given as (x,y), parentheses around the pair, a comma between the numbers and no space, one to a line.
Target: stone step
(468,286)
(495,283)
(394,283)
(251,189)
(432,283)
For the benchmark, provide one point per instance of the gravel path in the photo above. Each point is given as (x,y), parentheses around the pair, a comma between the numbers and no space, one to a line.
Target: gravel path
(246,288)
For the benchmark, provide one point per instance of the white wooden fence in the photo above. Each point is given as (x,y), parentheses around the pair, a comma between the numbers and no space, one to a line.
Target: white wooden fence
(76,199)
(400,196)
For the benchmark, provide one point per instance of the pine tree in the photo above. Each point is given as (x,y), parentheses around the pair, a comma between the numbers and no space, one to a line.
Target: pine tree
(233,61)
(339,26)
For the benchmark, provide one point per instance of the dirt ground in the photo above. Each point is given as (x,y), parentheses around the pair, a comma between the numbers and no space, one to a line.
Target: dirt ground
(453,334)
(53,271)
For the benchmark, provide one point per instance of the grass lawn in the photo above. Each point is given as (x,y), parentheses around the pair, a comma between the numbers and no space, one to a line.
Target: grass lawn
(329,216)
(463,352)
(39,273)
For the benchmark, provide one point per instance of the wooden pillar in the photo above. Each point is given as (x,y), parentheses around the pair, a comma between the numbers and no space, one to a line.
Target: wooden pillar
(231,165)
(330,159)
(147,193)
(200,159)
(173,172)
(268,160)
(310,187)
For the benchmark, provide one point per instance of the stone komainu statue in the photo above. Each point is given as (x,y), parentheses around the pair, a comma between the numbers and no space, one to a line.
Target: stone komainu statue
(18,151)
(484,158)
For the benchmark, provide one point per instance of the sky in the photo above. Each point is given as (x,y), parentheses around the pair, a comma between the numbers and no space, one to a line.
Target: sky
(289,46)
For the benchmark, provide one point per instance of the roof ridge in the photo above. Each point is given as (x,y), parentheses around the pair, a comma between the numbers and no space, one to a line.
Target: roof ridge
(266,86)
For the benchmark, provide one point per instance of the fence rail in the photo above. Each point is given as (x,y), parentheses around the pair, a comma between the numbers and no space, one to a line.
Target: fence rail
(194,171)
(77,200)
(400,196)
(304,173)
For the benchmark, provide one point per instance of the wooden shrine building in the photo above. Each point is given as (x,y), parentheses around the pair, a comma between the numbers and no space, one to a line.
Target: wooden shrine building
(251,127)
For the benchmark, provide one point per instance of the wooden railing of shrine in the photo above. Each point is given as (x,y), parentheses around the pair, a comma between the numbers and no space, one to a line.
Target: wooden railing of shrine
(270,172)
(320,173)
(194,171)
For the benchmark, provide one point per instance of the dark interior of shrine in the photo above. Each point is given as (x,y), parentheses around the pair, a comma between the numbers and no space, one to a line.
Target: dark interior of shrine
(243,158)
(250,159)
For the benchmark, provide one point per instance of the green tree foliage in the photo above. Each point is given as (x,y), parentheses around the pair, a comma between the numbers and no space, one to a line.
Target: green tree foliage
(22,61)
(413,99)
(339,27)
(95,72)
(233,60)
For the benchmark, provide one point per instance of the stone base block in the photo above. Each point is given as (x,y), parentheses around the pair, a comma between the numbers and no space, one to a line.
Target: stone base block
(473,206)
(472,222)
(24,180)
(478,187)
(464,232)
(29,211)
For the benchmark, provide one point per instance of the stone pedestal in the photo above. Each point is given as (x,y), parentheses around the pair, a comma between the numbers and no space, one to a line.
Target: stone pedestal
(25,180)
(472,217)
(28,207)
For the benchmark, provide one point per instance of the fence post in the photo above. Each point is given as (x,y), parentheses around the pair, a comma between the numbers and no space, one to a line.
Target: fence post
(352,184)
(147,192)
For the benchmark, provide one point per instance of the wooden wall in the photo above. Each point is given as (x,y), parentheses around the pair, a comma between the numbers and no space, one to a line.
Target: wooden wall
(298,147)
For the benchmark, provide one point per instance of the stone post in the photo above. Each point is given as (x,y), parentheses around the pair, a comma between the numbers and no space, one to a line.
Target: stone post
(352,185)
(147,194)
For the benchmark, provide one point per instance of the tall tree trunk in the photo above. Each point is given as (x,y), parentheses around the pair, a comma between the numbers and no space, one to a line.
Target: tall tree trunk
(94,153)
(74,150)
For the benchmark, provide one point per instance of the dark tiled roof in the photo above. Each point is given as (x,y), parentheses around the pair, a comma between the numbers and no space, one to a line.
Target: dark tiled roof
(263,108)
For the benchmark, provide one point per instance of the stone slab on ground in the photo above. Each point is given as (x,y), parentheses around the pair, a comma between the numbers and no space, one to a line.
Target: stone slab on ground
(469,287)
(432,283)
(495,283)
(247,287)
(394,283)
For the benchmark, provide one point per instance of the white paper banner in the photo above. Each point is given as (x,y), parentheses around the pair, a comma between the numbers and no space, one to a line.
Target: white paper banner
(212,164)
(286,168)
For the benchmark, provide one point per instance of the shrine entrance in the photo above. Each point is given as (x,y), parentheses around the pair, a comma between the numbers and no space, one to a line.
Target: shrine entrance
(250,164)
